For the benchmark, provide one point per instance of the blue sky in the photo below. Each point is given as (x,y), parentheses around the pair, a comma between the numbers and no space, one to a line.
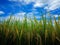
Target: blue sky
(20,8)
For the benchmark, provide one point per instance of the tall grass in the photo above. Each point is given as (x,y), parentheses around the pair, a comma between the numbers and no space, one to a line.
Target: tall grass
(34,32)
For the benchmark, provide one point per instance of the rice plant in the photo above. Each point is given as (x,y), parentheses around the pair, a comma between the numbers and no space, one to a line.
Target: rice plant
(43,32)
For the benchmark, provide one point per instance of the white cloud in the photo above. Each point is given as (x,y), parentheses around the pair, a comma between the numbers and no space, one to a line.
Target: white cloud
(1,12)
(53,7)
(54,4)
(46,8)
(38,4)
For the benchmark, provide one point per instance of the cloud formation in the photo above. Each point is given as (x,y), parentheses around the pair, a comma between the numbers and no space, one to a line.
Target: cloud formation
(29,7)
(38,4)
(1,12)
(52,4)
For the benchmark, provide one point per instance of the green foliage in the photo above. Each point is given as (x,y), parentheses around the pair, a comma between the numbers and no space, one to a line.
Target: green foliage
(43,32)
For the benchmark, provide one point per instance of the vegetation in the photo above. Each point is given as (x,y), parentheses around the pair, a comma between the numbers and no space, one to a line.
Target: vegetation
(43,32)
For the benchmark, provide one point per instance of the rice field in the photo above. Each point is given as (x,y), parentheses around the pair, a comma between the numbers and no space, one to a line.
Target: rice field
(34,32)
